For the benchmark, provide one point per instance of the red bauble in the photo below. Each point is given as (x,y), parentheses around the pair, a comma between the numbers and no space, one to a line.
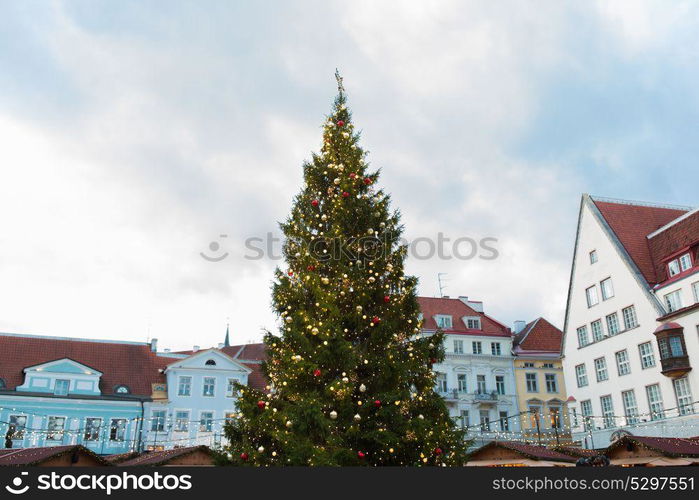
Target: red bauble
(377,403)
(437,451)
(353,175)
(360,454)
(311,267)
(244,456)
(433,360)
(314,203)
(290,273)
(316,372)
(340,123)
(376,320)
(367,181)
(387,299)
(261,404)
(345,194)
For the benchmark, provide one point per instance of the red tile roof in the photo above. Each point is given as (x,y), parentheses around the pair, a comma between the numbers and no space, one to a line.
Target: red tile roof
(539,336)
(457,309)
(682,235)
(162,457)
(131,364)
(667,446)
(35,456)
(632,223)
(527,450)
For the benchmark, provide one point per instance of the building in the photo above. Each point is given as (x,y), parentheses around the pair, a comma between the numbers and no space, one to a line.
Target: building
(476,377)
(541,388)
(51,456)
(631,327)
(515,454)
(644,451)
(190,456)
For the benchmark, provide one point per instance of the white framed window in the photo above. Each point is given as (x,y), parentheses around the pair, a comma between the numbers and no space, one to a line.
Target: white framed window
(181,421)
(495,349)
(612,324)
(473,323)
(443,321)
(184,387)
(629,315)
(480,384)
(645,351)
(500,384)
(464,419)
(477,347)
(623,364)
(601,369)
(56,428)
(586,414)
(209,387)
(532,383)
(93,426)
(528,365)
(593,257)
(630,406)
(673,300)
(581,375)
(597,332)
(583,339)
(461,382)
(607,289)
(485,420)
(117,429)
(607,411)
(441,382)
(458,346)
(206,421)
(685,262)
(695,291)
(61,387)
(591,295)
(504,422)
(655,402)
(17,426)
(157,421)
(673,267)
(551,383)
(230,388)
(684,396)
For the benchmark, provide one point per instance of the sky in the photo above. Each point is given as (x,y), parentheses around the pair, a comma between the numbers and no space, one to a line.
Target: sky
(134,134)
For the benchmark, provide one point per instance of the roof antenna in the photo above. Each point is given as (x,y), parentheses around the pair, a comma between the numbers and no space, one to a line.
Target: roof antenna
(442,286)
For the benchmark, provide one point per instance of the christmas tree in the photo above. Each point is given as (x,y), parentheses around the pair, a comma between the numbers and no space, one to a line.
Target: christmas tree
(351,379)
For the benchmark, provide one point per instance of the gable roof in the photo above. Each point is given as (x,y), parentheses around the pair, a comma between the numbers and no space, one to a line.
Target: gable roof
(35,456)
(208,352)
(539,336)
(128,363)
(530,451)
(162,457)
(673,447)
(457,309)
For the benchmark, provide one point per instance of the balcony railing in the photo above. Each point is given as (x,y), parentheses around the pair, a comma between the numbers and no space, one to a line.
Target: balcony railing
(485,396)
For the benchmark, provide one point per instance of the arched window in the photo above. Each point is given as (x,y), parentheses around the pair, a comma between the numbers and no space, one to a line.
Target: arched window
(210,362)
(122,389)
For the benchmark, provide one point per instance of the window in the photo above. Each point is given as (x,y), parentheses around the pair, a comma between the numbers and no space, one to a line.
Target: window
(601,369)
(477,348)
(685,262)
(122,389)
(210,362)
(117,429)
(185,386)
(2,383)
(645,350)
(534,414)
(673,268)
(630,408)
(583,340)
(461,382)
(555,417)
(206,421)
(551,383)
(581,375)
(684,396)
(623,365)
(597,333)
(157,423)
(504,422)
(547,365)
(473,323)
(500,384)
(182,421)
(443,321)
(529,365)
(574,414)
(92,429)
(593,256)
(480,382)
(230,388)
(209,386)
(695,289)
(464,419)
(532,385)
(673,301)
(607,411)
(441,382)
(18,423)
(56,426)
(612,324)
(655,402)
(629,314)
(61,388)
(676,350)
(586,412)
(591,294)
(495,349)
(485,420)
(458,346)
(607,289)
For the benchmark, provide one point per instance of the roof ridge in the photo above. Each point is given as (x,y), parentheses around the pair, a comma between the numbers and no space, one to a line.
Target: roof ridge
(637,203)
(73,339)
(672,223)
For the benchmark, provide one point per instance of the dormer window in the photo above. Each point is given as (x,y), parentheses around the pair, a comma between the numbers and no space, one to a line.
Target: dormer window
(210,362)
(443,321)
(685,262)
(122,389)
(61,388)
(473,323)
(679,265)
(2,384)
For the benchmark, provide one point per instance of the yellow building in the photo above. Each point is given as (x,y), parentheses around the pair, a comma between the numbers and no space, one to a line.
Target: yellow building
(541,390)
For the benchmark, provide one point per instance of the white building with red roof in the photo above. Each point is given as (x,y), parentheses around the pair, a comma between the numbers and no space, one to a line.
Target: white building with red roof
(476,377)
(631,331)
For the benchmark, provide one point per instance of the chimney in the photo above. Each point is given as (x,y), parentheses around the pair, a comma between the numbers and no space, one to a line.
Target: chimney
(166,350)
(154,345)
(220,345)
(519,325)
(195,348)
(445,296)
(473,304)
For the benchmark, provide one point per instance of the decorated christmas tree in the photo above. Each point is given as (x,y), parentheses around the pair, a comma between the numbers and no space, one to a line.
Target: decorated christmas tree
(350,376)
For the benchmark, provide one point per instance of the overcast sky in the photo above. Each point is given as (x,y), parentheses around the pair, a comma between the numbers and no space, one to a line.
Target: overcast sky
(133,134)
